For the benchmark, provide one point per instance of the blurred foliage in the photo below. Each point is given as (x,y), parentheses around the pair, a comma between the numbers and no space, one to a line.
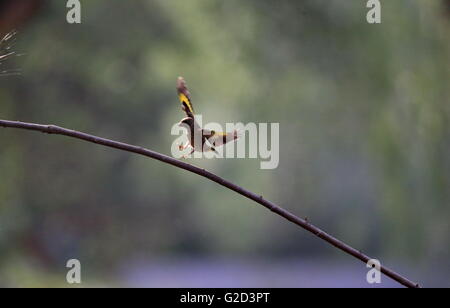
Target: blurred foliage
(363,109)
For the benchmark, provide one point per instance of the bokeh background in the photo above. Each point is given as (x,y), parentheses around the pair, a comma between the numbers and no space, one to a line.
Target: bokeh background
(364,115)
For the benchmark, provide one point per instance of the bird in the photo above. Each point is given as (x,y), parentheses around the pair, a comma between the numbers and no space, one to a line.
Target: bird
(210,139)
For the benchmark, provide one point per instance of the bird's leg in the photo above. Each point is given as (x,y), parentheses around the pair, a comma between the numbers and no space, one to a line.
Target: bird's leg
(183,147)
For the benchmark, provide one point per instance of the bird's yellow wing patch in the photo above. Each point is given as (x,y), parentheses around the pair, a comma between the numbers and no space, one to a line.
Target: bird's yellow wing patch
(186,103)
(185,97)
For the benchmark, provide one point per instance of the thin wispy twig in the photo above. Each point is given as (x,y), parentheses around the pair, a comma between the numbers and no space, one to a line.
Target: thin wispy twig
(6,53)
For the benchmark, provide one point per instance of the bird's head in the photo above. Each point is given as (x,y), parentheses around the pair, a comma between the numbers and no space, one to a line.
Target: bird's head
(187,122)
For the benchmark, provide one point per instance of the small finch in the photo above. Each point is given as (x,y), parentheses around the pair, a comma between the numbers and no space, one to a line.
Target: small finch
(210,139)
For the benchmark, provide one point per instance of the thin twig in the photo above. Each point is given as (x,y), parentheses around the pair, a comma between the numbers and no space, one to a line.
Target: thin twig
(52,129)
(6,44)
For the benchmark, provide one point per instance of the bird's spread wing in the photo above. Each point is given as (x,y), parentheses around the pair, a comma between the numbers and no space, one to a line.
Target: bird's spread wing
(185,97)
(217,139)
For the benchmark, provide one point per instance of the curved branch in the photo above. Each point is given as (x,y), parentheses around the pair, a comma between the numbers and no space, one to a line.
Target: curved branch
(52,129)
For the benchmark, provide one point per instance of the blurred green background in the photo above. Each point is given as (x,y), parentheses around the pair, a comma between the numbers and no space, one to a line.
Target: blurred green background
(364,117)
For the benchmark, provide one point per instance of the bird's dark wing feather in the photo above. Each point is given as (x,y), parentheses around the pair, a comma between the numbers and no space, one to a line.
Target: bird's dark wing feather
(219,138)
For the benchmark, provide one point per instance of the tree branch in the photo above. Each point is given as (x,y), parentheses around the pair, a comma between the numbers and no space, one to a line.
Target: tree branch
(52,129)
